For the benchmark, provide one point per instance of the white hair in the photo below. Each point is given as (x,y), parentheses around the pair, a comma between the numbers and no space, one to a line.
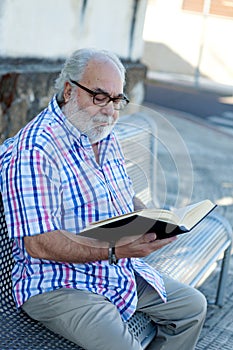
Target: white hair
(75,65)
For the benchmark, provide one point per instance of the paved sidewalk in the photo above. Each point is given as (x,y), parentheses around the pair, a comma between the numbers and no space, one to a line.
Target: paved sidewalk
(211,153)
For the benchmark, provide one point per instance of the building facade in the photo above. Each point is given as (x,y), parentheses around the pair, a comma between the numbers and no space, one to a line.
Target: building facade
(190,39)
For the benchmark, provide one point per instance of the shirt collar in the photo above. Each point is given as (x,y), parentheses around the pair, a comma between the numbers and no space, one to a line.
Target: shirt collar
(60,117)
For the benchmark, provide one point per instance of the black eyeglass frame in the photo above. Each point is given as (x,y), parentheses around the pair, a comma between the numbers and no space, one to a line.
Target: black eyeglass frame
(124,100)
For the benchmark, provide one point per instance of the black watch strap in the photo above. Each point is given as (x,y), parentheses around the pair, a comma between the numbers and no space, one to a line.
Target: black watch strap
(112,259)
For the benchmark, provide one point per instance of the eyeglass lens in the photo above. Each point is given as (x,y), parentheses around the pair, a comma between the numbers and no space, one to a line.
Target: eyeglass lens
(102,100)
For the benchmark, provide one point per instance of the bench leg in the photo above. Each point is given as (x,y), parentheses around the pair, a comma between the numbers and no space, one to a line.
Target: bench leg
(223,277)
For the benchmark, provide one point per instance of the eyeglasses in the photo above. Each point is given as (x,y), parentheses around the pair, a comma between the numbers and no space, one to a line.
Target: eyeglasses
(102,98)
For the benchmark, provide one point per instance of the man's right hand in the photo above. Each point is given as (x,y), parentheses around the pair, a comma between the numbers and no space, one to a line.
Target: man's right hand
(140,246)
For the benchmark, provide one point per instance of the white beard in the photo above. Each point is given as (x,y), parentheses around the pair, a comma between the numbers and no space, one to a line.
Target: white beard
(92,126)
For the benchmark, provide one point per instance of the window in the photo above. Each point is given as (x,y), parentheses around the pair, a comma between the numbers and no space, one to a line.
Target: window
(222,8)
(217,7)
(193,5)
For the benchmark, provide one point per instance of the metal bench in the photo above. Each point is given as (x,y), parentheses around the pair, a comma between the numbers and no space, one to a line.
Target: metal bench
(188,259)
(192,257)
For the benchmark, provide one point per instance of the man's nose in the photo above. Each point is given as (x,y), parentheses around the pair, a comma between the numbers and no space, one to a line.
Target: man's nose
(108,109)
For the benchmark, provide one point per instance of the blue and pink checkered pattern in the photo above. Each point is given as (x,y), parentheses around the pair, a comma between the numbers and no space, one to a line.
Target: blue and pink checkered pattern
(51,181)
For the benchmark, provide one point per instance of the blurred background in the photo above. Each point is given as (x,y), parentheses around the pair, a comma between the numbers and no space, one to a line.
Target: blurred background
(190,39)
(180,42)
(36,37)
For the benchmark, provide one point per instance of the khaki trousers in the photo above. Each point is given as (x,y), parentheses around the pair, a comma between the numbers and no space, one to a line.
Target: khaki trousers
(94,323)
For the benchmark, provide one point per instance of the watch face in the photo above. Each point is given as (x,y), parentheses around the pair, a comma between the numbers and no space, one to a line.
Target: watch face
(112,259)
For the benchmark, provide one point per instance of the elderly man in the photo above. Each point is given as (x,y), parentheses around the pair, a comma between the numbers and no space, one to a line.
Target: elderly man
(61,172)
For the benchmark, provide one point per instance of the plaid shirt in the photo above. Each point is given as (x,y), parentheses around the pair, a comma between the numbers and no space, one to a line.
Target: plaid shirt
(51,181)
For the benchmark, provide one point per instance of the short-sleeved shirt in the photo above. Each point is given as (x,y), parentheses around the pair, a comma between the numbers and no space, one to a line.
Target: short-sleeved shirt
(50,181)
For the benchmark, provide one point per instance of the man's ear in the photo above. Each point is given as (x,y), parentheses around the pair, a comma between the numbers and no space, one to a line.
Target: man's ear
(67,91)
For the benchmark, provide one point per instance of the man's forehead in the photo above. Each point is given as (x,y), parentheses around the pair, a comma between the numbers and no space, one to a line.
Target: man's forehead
(102,67)
(103,75)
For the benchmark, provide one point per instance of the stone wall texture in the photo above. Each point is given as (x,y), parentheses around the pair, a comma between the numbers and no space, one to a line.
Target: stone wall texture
(26,86)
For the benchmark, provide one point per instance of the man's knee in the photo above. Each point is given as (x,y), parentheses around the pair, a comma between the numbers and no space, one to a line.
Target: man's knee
(199,303)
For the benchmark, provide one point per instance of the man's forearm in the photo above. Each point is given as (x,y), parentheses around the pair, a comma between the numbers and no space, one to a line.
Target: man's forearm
(63,246)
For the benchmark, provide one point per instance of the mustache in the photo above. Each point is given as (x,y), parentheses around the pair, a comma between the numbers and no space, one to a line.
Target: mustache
(100,118)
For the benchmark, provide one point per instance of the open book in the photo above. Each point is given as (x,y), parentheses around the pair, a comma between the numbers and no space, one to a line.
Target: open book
(165,223)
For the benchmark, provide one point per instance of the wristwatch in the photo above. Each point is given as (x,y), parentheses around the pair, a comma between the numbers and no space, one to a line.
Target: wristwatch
(112,259)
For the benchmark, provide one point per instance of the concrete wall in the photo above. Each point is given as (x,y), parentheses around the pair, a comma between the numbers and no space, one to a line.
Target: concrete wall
(36,36)
(55,28)
(187,42)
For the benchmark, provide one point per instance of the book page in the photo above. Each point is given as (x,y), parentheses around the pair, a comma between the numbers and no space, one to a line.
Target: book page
(192,214)
(161,214)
